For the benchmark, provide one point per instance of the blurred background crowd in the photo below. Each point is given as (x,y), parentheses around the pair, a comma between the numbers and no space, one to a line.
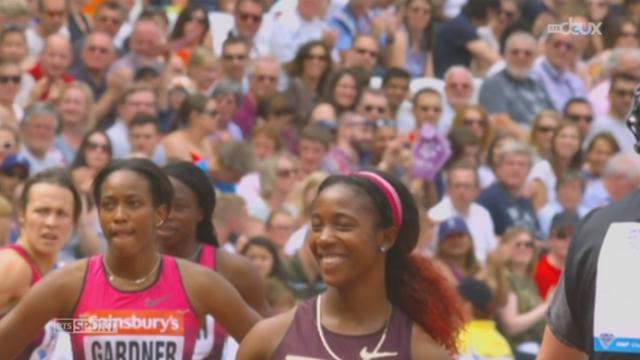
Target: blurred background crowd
(504,117)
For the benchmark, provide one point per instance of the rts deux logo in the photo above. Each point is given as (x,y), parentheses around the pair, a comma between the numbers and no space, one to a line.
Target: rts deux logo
(575,28)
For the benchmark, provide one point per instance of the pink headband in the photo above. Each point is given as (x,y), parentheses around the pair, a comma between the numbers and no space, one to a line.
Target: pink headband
(389,192)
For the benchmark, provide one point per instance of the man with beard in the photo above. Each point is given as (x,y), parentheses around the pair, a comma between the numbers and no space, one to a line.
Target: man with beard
(349,153)
(513,91)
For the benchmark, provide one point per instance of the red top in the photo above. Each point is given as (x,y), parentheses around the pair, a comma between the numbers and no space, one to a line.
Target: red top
(546,276)
(37,74)
(212,336)
(157,322)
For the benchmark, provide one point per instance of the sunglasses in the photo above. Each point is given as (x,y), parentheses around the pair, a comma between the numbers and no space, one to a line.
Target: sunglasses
(285,173)
(578,118)
(246,17)
(91,146)
(229,57)
(362,51)
(8,79)
(371,108)
(474,122)
(265,78)
(546,129)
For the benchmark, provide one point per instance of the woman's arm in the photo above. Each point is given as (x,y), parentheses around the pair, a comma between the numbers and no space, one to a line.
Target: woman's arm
(424,347)
(552,349)
(514,323)
(537,192)
(264,338)
(242,274)
(212,294)
(53,297)
(15,279)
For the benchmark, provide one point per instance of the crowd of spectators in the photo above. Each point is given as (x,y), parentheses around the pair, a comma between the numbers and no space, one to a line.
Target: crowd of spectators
(505,118)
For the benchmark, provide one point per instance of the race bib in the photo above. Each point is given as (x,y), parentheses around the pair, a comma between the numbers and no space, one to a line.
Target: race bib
(616,321)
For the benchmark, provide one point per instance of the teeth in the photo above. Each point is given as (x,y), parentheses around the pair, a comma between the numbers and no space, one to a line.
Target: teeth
(331,260)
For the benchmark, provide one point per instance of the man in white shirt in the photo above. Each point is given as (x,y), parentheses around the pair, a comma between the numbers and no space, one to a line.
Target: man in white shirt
(621,95)
(51,18)
(462,189)
(38,130)
(458,92)
(295,28)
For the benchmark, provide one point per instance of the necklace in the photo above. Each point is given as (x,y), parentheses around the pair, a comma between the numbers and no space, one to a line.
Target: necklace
(195,254)
(139,281)
(364,353)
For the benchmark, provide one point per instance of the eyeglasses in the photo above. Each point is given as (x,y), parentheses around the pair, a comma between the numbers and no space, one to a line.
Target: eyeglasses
(525,52)
(578,118)
(362,51)
(474,122)
(247,17)
(624,93)
(265,78)
(525,244)
(13,79)
(546,129)
(98,49)
(285,173)
(91,146)
(230,57)
(378,109)
(559,45)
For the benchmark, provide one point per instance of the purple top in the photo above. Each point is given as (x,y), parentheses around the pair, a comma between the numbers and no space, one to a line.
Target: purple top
(302,338)
(246,116)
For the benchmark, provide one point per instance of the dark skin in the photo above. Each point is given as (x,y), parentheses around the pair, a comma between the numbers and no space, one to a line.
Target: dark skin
(345,240)
(178,238)
(129,218)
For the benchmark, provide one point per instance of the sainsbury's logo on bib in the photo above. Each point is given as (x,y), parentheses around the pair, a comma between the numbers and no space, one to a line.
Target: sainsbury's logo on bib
(139,334)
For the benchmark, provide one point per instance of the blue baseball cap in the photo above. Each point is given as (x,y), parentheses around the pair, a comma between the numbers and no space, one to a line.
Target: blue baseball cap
(15,160)
(454,225)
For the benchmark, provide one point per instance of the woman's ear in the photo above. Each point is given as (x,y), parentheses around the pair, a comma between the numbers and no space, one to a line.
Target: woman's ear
(389,236)
(162,212)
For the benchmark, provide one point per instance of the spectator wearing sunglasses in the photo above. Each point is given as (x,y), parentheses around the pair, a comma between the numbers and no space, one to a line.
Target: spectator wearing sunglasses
(513,90)
(51,16)
(10,78)
(550,266)
(578,110)
(553,70)
(373,105)
(364,54)
(248,16)
(621,94)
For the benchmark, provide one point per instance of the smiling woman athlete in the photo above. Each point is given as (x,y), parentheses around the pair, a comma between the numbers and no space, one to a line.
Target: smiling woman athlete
(381,301)
(133,302)
(49,207)
(188,234)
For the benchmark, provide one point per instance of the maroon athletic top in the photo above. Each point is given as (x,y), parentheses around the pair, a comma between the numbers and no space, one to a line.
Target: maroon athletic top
(302,339)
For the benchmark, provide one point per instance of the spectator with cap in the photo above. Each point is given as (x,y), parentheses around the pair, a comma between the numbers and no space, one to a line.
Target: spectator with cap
(454,256)
(14,171)
(550,266)
(9,141)
(457,40)
(480,338)
(513,90)
(462,185)
(38,130)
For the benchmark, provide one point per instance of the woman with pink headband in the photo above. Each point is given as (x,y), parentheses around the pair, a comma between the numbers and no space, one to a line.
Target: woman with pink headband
(381,301)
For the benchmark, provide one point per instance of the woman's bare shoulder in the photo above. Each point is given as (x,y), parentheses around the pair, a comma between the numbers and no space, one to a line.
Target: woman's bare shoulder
(263,339)
(423,346)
